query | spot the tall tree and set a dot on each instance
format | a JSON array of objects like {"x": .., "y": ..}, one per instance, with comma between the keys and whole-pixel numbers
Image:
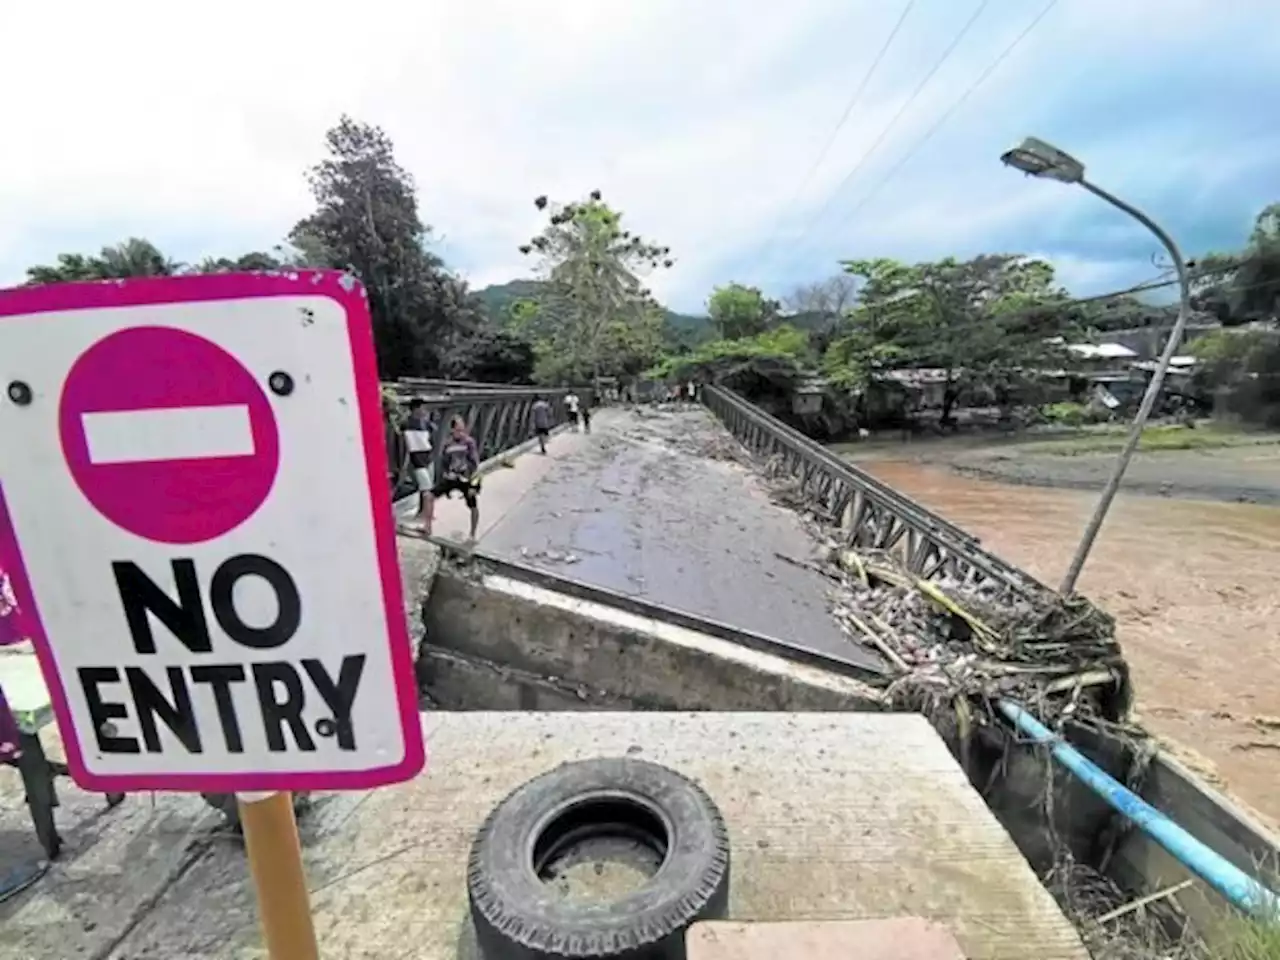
[
  {"x": 739, "y": 311},
  {"x": 367, "y": 221},
  {"x": 593, "y": 316},
  {"x": 132, "y": 258},
  {"x": 828, "y": 299},
  {"x": 492, "y": 355},
  {"x": 248, "y": 262},
  {"x": 982, "y": 322},
  {"x": 1245, "y": 285},
  {"x": 1254, "y": 292}
]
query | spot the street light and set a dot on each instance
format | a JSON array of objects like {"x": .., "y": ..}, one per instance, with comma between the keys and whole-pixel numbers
[{"x": 1039, "y": 159}]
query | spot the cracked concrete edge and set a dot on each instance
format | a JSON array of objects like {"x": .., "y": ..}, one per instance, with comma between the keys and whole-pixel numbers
[{"x": 419, "y": 563}]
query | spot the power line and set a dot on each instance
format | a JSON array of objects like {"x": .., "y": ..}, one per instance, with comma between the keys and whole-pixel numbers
[
  {"x": 946, "y": 55},
  {"x": 848, "y": 110},
  {"x": 995, "y": 65}
]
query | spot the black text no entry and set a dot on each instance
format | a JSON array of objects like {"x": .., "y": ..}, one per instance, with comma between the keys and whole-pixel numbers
[
  {"x": 210, "y": 611},
  {"x": 177, "y": 697}
]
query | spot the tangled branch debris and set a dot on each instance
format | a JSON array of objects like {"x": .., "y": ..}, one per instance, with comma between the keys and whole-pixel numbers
[
  {"x": 948, "y": 637},
  {"x": 1115, "y": 927},
  {"x": 954, "y": 643}
]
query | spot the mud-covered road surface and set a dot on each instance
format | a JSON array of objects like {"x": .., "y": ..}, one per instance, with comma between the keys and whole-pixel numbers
[
  {"x": 1191, "y": 584},
  {"x": 655, "y": 506}
]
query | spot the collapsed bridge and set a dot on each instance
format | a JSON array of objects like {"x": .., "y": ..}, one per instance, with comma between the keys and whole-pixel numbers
[
  {"x": 704, "y": 588},
  {"x": 660, "y": 522}
]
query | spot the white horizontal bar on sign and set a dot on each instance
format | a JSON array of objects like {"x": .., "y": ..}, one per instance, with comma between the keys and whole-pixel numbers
[{"x": 168, "y": 433}]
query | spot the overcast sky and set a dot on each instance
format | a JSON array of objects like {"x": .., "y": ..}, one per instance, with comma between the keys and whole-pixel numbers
[{"x": 192, "y": 125}]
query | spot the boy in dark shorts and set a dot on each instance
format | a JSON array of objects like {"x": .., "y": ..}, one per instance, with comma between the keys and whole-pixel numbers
[
  {"x": 460, "y": 459},
  {"x": 541, "y": 421}
]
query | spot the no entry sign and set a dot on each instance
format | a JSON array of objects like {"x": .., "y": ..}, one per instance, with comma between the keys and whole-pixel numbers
[{"x": 195, "y": 517}]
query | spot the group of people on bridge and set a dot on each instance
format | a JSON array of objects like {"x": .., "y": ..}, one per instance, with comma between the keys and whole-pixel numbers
[{"x": 459, "y": 460}]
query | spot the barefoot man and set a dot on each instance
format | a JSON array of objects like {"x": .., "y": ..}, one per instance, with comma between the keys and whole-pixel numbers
[
  {"x": 541, "y": 421},
  {"x": 460, "y": 459},
  {"x": 418, "y": 428}
]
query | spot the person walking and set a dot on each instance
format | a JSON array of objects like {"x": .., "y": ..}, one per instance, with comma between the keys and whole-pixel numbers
[
  {"x": 586, "y": 414},
  {"x": 460, "y": 463},
  {"x": 541, "y": 421},
  {"x": 572, "y": 406},
  {"x": 418, "y": 430}
]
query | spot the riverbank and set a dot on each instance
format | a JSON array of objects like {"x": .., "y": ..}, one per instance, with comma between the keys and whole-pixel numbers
[
  {"x": 1183, "y": 576},
  {"x": 1207, "y": 462}
]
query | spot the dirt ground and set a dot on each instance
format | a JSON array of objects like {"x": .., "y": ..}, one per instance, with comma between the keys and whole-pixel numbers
[
  {"x": 1189, "y": 580},
  {"x": 1210, "y": 462},
  {"x": 1242, "y": 474}
]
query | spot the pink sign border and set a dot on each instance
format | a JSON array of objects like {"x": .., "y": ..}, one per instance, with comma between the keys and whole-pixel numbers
[{"x": 350, "y": 296}]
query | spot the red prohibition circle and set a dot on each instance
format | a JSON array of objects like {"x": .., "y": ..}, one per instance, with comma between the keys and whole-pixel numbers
[{"x": 168, "y": 435}]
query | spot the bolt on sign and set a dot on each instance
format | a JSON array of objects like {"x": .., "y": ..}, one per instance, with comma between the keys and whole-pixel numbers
[{"x": 195, "y": 517}]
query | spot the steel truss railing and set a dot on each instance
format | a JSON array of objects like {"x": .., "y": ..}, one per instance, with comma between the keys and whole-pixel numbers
[{"x": 870, "y": 513}]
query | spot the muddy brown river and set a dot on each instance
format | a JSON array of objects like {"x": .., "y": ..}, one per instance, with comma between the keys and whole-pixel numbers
[{"x": 1192, "y": 587}]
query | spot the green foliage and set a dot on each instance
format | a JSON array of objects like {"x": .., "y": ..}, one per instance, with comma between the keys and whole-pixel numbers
[
  {"x": 245, "y": 263},
  {"x": 132, "y": 258},
  {"x": 1243, "y": 286},
  {"x": 739, "y": 311},
  {"x": 366, "y": 220},
  {"x": 1120, "y": 313},
  {"x": 491, "y": 355},
  {"x": 1248, "y": 938},
  {"x": 1156, "y": 438},
  {"x": 1223, "y": 354},
  {"x": 498, "y": 299},
  {"x": 682, "y": 332},
  {"x": 591, "y": 315},
  {"x": 1069, "y": 414},
  {"x": 1241, "y": 369},
  {"x": 985, "y": 322},
  {"x": 777, "y": 354}
]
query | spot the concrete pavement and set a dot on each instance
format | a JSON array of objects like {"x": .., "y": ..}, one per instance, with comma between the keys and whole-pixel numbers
[
  {"x": 638, "y": 507},
  {"x": 831, "y": 816}
]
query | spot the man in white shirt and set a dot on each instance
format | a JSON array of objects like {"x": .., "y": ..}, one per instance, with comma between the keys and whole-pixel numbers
[
  {"x": 418, "y": 431},
  {"x": 572, "y": 406}
]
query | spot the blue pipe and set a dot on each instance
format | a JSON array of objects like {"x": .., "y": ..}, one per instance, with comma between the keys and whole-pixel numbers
[{"x": 1234, "y": 884}]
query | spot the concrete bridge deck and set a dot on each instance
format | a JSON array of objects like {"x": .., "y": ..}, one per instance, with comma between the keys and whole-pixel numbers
[
  {"x": 650, "y": 506},
  {"x": 831, "y": 816}
]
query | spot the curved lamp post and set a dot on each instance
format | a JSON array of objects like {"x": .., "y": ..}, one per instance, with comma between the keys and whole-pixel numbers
[{"x": 1039, "y": 159}]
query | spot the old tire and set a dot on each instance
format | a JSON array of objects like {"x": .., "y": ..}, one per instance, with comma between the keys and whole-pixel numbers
[{"x": 516, "y": 915}]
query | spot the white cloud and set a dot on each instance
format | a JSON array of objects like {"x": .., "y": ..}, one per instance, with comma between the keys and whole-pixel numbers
[{"x": 193, "y": 125}]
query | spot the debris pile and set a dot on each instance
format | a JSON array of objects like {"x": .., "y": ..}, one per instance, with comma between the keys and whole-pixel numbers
[
  {"x": 948, "y": 638},
  {"x": 1114, "y": 926},
  {"x": 952, "y": 642},
  {"x": 694, "y": 434},
  {"x": 785, "y": 489}
]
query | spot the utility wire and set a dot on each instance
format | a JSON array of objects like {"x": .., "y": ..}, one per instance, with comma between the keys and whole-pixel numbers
[
  {"x": 954, "y": 107},
  {"x": 848, "y": 110},
  {"x": 946, "y": 55}
]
